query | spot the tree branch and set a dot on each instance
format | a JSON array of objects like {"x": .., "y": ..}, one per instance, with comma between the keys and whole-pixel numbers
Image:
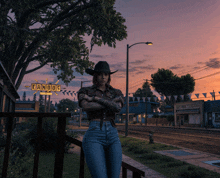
[
  {"x": 36, "y": 8},
  {"x": 36, "y": 68},
  {"x": 65, "y": 14},
  {"x": 21, "y": 76}
]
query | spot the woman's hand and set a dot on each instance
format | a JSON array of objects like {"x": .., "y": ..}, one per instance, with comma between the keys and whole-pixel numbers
[
  {"x": 88, "y": 98},
  {"x": 117, "y": 99}
]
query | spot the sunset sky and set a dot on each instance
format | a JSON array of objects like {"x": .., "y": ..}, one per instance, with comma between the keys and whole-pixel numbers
[{"x": 185, "y": 36}]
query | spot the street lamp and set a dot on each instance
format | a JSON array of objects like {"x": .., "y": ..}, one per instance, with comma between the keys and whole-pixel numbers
[{"x": 127, "y": 99}]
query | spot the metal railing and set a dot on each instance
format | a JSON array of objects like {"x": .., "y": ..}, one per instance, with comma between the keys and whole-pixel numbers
[{"x": 62, "y": 137}]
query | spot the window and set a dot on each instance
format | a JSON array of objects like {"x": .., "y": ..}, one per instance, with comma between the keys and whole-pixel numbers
[{"x": 217, "y": 117}]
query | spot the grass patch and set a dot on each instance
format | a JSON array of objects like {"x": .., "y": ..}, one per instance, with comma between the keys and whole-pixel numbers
[
  {"x": 46, "y": 166},
  {"x": 70, "y": 167},
  {"x": 143, "y": 152}
]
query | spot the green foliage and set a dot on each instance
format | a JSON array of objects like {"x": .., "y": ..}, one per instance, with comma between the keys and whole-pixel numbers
[
  {"x": 2, "y": 140},
  {"x": 168, "y": 84},
  {"x": 170, "y": 118},
  {"x": 66, "y": 103},
  {"x": 162, "y": 116},
  {"x": 143, "y": 152},
  {"x": 52, "y": 32},
  {"x": 155, "y": 116},
  {"x": 145, "y": 91},
  {"x": 49, "y": 139},
  {"x": 21, "y": 155},
  {"x": 192, "y": 172}
]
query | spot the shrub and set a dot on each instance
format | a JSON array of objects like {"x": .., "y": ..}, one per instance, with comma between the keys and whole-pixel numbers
[
  {"x": 21, "y": 155},
  {"x": 2, "y": 141},
  {"x": 50, "y": 136},
  {"x": 172, "y": 164},
  {"x": 155, "y": 116},
  {"x": 151, "y": 156},
  {"x": 170, "y": 118},
  {"x": 192, "y": 172}
]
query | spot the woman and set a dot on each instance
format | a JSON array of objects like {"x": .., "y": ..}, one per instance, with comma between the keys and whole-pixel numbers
[{"x": 101, "y": 144}]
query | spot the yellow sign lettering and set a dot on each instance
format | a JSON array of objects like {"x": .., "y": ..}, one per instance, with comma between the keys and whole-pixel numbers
[
  {"x": 45, "y": 87},
  {"x": 33, "y": 86},
  {"x": 38, "y": 86},
  {"x": 54, "y": 88},
  {"x": 58, "y": 87}
]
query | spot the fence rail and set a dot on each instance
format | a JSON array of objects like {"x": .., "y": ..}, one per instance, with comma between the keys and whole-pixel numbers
[{"x": 62, "y": 137}]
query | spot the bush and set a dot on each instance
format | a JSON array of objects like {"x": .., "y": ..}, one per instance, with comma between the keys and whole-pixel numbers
[
  {"x": 170, "y": 118},
  {"x": 21, "y": 156},
  {"x": 50, "y": 136},
  {"x": 151, "y": 156},
  {"x": 155, "y": 116},
  {"x": 192, "y": 172},
  {"x": 2, "y": 141}
]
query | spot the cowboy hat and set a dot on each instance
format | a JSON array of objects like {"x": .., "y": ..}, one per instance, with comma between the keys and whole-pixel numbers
[{"x": 101, "y": 66}]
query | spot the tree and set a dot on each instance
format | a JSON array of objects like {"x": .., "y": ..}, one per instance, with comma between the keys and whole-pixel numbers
[
  {"x": 51, "y": 32},
  {"x": 24, "y": 96},
  {"x": 41, "y": 100},
  {"x": 66, "y": 103},
  {"x": 168, "y": 84},
  {"x": 145, "y": 91},
  {"x": 34, "y": 97}
]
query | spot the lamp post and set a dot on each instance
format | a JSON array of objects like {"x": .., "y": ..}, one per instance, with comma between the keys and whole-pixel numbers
[{"x": 127, "y": 98}]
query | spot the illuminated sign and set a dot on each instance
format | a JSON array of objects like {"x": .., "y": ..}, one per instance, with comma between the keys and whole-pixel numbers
[{"x": 45, "y": 87}]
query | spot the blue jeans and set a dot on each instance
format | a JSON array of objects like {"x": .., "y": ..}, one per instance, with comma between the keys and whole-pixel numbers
[{"x": 102, "y": 149}]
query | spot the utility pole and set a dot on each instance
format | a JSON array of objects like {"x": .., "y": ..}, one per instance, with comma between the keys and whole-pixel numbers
[
  {"x": 80, "y": 117},
  {"x": 49, "y": 105},
  {"x": 45, "y": 104},
  {"x": 214, "y": 95}
]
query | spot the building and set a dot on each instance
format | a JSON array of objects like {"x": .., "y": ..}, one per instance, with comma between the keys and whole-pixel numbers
[
  {"x": 8, "y": 96},
  {"x": 189, "y": 113},
  {"x": 212, "y": 113},
  {"x": 26, "y": 106},
  {"x": 197, "y": 113},
  {"x": 137, "y": 111}
]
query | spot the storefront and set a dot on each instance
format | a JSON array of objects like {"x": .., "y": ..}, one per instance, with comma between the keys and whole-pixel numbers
[
  {"x": 212, "y": 113},
  {"x": 138, "y": 111},
  {"x": 189, "y": 113}
]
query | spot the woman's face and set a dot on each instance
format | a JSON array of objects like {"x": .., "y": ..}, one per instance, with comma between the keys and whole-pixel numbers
[{"x": 102, "y": 78}]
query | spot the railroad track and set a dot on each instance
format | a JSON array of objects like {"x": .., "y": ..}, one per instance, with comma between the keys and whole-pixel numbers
[{"x": 203, "y": 140}]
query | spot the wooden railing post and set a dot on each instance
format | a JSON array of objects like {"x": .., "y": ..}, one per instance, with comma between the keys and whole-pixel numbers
[
  {"x": 136, "y": 175},
  {"x": 59, "y": 157},
  {"x": 82, "y": 163},
  {"x": 124, "y": 172},
  {"x": 7, "y": 147},
  {"x": 38, "y": 148}
]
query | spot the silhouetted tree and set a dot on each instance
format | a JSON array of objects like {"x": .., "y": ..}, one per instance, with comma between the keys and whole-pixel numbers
[
  {"x": 24, "y": 96},
  {"x": 52, "y": 32},
  {"x": 168, "y": 84}
]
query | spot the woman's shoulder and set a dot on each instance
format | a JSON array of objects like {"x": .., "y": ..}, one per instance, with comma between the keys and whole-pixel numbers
[
  {"x": 117, "y": 91},
  {"x": 85, "y": 89}
]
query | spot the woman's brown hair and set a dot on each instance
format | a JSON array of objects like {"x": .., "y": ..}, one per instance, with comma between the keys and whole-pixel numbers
[{"x": 95, "y": 81}]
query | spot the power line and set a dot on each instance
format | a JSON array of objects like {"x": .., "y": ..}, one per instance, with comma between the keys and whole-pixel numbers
[
  {"x": 203, "y": 68},
  {"x": 207, "y": 76}
]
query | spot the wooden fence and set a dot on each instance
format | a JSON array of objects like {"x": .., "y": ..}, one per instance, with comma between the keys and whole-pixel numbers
[{"x": 62, "y": 137}]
